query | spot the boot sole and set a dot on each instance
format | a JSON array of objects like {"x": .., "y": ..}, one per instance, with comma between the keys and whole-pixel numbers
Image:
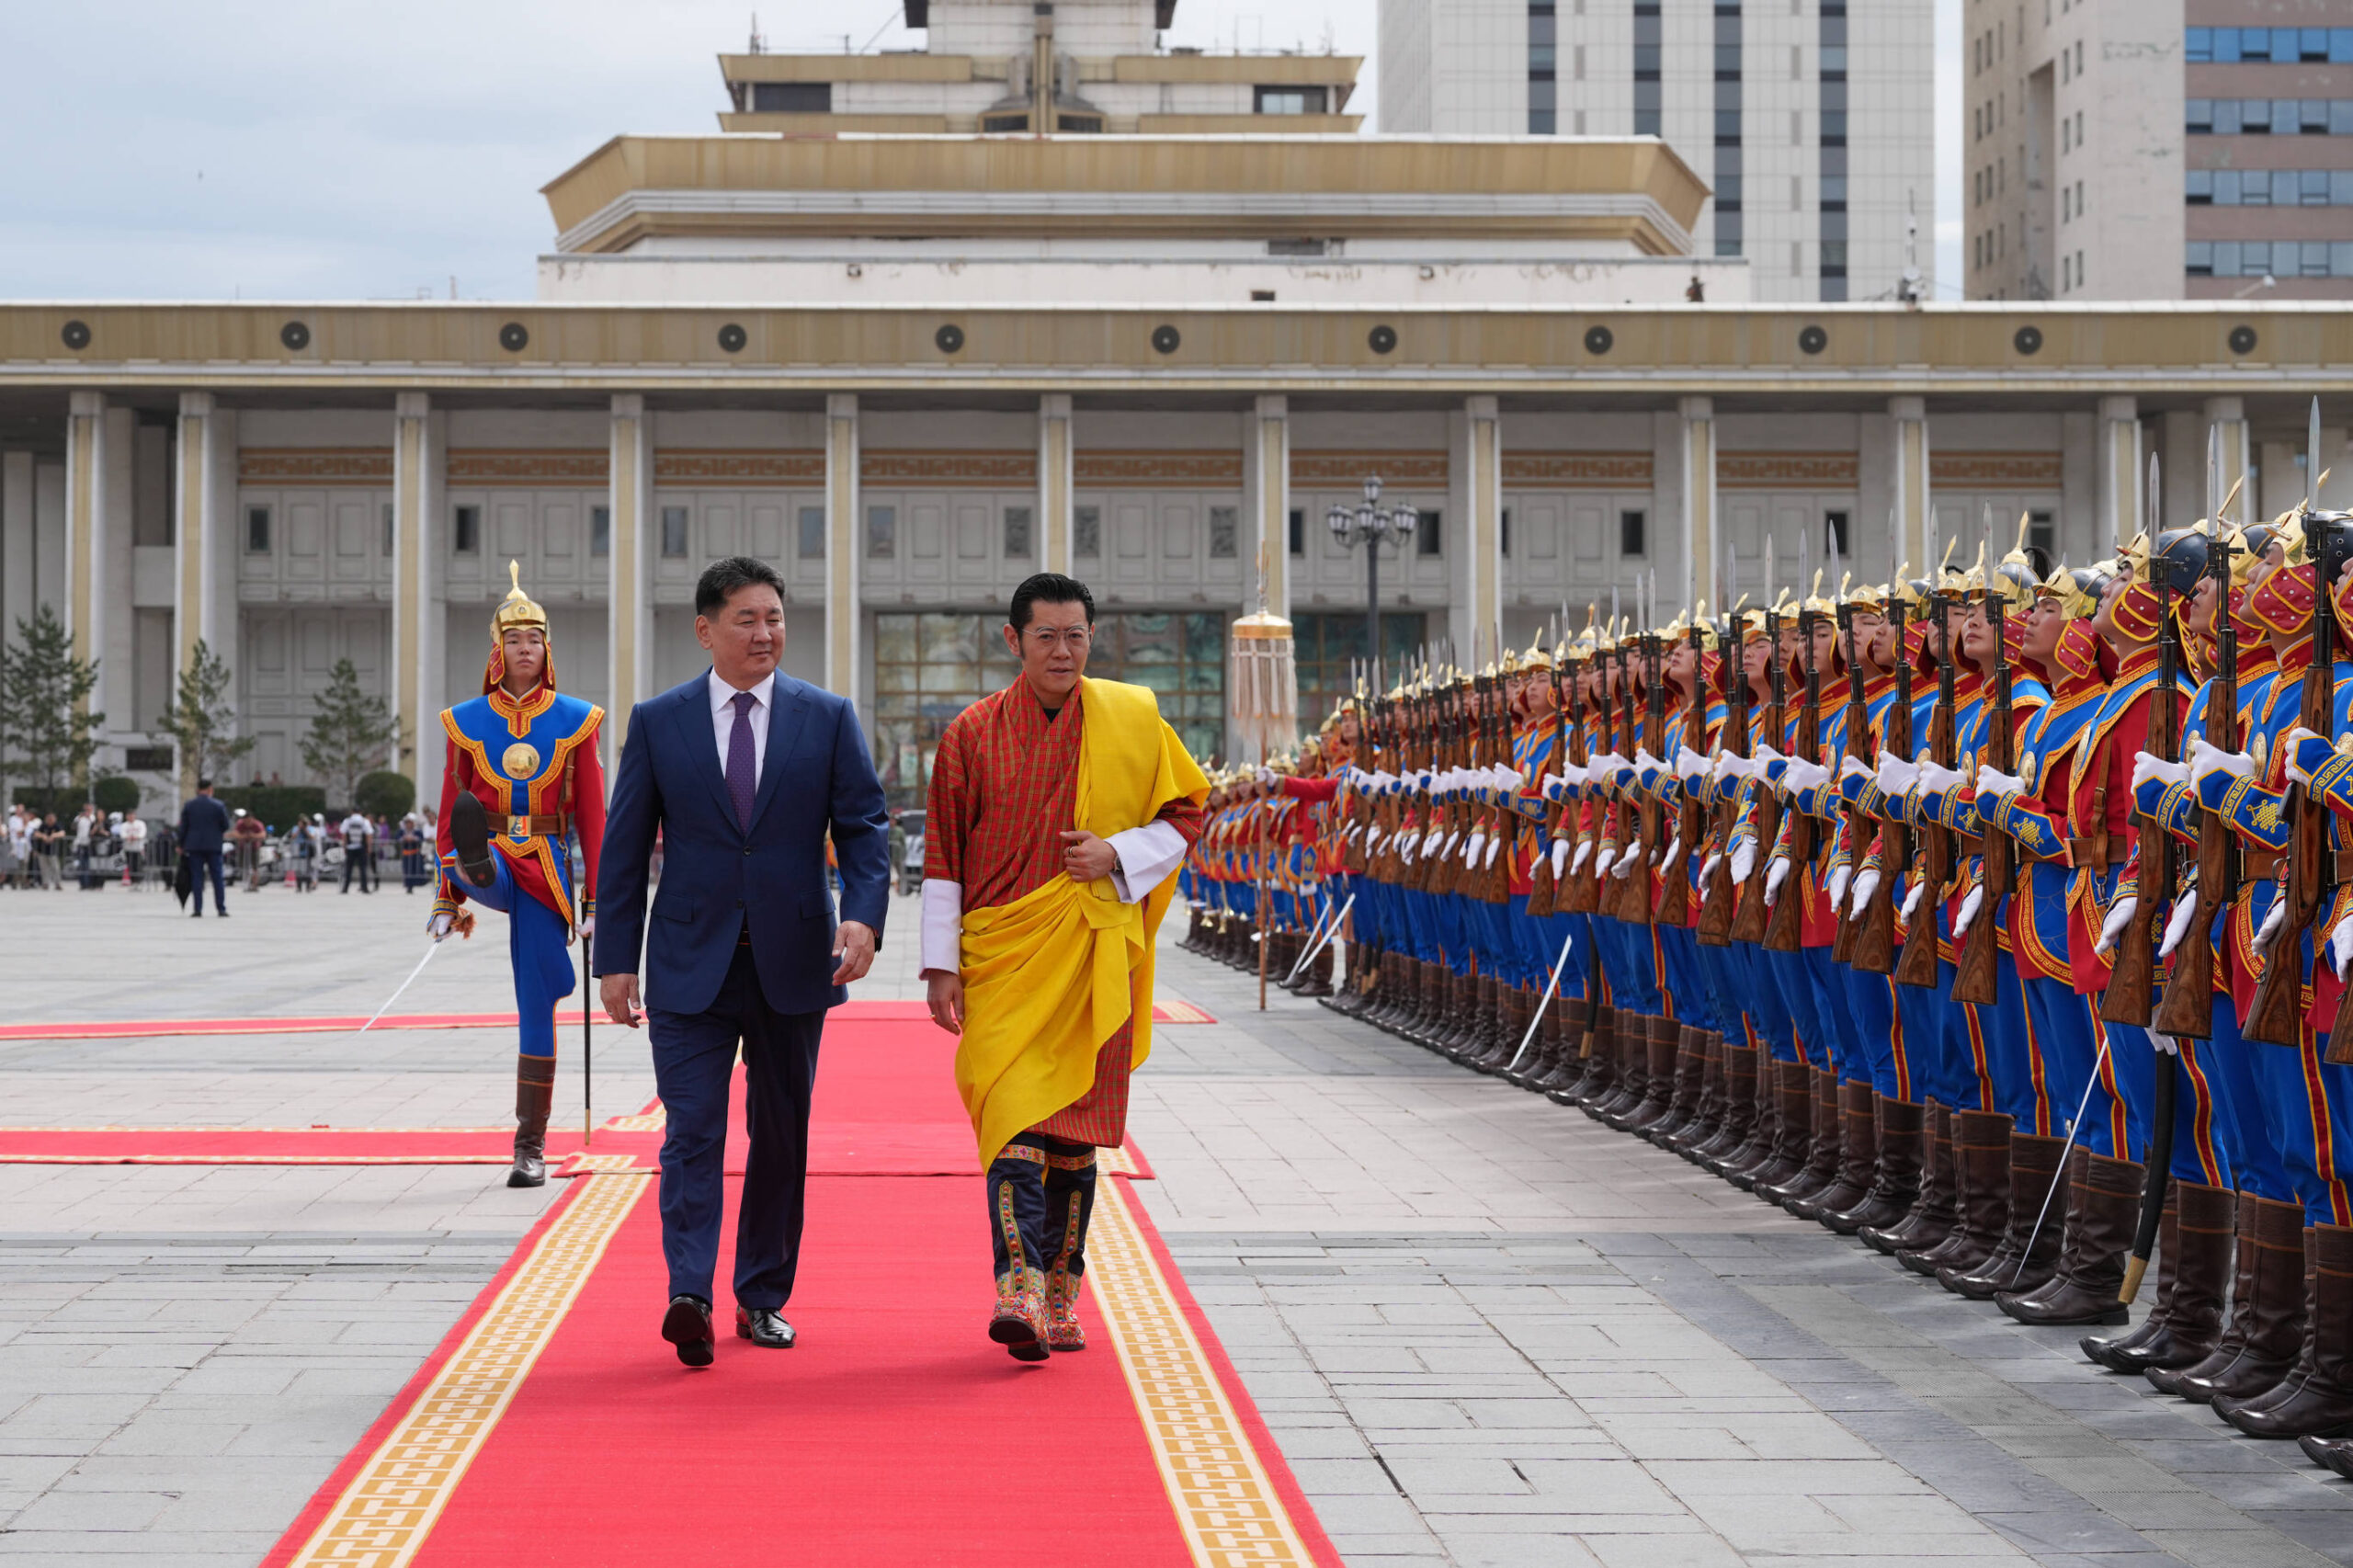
[{"x": 1018, "y": 1338}]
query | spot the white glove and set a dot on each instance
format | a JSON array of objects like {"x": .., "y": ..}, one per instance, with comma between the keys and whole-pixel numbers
[
  {"x": 1689, "y": 764},
  {"x": 1470, "y": 850},
  {"x": 1941, "y": 780},
  {"x": 1560, "y": 857},
  {"x": 1585, "y": 851},
  {"x": 1509, "y": 778},
  {"x": 439, "y": 926},
  {"x": 1855, "y": 766},
  {"x": 1707, "y": 867},
  {"x": 588, "y": 928},
  {"x": 1866, "y": 884},
  {"x": 2271, "y": 924},
  {"x": 1265, "y": 775},
  {"x": 1601, "y": 861},
  {"x": 1896, "y": 777},
  {"x": 1992, "y": 780},
  {"x": 1644, "y": 760},
  {"x": 1912, "y": 900},
  {"x": 1777, "y": 871},
  {"x": 1623, "y": 866},
  {"x": 1839, "y": 877},
  {"x": 1495, "y": 845},
  {"x": 2206, "y": 759},
  {"x": 2340, "y": 944},
  {"x": 2178, "y": 923},
  {"x": 1803, "y": 776},
  {"x": 2146, "y": 766},
  {"x": 1765, "y": 754},
  {"x": 2289, "y": 744},
  {"x": 1743, "y": 860},
  {"x": 1969, "y": 905},
  {"x": 1731, "y": 766},
  {"x": 1673, "y": 853},
  {"x": 1575, "y": 776},
  {"x": 2120, "y": 915}
]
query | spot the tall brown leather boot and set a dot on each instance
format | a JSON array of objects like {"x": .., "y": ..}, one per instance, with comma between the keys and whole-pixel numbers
[
  {"x": 2029, "y": 1251},
  {"x": 1629, "y": 1049},
  {"x": 1600, "y": 1080},
  {"x": 1739, "y": 1113},
  {"x": 1317, "y": 977},
  {"x": 1857, "y": 1159},
  {"x": 534, "y": 1097},
  {"x": 1659, "y": 1037},
  {"x": 1562, "y": 1065},
  {"x": 2103, "y": 1210},
  {"x": 2266, "y": 1327},
  {"x": 1895, "y": 1175},
  {"x": 2193, "y": 1267},
  {"x": 1981, "y": 1167},
  {"x": 2330, "y": 1453},
  {"x": 1683, "y": 1090},
  {"x": 1693, "y": 1121},
  {"x": 1820, "y": 1165},
  {"x": 1511, "y": 1029},
  {"x": 2316, "y": 1400},
  {"x": 1792, "y": 1131},
  {"x": 1935, "y": 1212},
  {"x": 1764, "y": 1124}
]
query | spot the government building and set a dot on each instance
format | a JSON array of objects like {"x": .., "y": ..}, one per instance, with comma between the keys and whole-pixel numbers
[{"x": 1047, "y": 295}]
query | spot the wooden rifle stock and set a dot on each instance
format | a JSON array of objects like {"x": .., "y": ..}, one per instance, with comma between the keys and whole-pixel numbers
[
  {"x": 1974, "y": 976},
  {"x": 1874, "y": 950},
  {"x": 1718, "y": 899},
  {"x": 1749, "y": 924},
  {"x": 1785, "y": 925},
  {"x": 2276, "y": 1015},
  {"x": 2186, "y": 1007},
  {"x": 1674, "y": 883},
  {"x": 1544, "y": 888},
  {"x": 1584, "y": 890},
  {"x": 1858, "y": 732},
  {"x": 1917, "y": 965}
]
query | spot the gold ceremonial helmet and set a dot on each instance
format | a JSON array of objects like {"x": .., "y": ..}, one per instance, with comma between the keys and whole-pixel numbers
[
  {"x": 1538, "y": 657},
  {"x": 2013, "y": 576},
  {"x": 517, "y": 608}
]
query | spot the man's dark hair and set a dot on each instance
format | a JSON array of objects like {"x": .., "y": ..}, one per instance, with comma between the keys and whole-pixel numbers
[
  {"x": 1049, "y": 588},
  {"x": 202, "y": 785},
  {"x": 721, "y": 579}
]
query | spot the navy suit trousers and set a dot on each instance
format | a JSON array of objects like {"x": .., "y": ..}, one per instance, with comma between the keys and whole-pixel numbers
[{"x": 694, "y": 1067}]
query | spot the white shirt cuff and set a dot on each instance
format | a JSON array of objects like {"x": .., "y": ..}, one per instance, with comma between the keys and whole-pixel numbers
[
  {"x": 943, "y": 925},
  {"x": 1147, "y": 855}
]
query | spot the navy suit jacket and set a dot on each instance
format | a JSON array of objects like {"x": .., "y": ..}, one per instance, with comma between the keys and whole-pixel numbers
[
  {"x": 204, "y": 824},
  {"x": 719, "y": 879}
]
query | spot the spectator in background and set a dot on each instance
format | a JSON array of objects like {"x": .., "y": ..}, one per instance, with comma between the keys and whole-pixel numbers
[
  {"x": 250, "y": 832},
  {"x": 204, "y": 829},
  {"x": 359, "y": 851},
  {"x": 412, "y": 842},
  {"x": 85, "y": 825},
  {"x": 20, "y": 847},
  {"x": 133, "y": 834}
]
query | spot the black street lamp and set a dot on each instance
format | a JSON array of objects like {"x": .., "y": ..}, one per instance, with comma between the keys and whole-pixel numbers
[{"x": 1367, "y": 524}]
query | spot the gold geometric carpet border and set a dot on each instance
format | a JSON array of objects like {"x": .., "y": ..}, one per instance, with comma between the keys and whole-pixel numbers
[
  {"x": 391, "y": 1506},
  {"x": 1227, "y": 1506}
]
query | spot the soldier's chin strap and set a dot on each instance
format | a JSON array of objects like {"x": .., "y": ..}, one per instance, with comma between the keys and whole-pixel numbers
[{"x": 404, "y": 984}]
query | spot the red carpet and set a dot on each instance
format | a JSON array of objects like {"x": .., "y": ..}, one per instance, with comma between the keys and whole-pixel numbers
[
  {"x": 554, "y": 1426},
  {"x": 1167, "y": 1012}
]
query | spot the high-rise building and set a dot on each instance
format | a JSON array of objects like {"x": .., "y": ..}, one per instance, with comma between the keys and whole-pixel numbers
[
  {"x": 1812, "y": 121},
  {"x": 2143, "y": 149}
]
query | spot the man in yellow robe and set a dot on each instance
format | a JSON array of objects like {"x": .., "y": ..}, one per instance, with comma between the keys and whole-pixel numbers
[{"x": 1059, "y": 811}]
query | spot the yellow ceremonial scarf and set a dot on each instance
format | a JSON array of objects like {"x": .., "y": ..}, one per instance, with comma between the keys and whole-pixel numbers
[{"x": 1052, "y": 975}]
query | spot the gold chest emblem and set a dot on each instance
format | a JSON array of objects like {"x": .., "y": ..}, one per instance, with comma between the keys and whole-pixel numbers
[{"x": 521, "y": 762}]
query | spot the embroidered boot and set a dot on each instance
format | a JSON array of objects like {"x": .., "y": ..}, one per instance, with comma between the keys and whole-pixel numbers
[
  {"x": 1070, "y": 1205},
  {"x": 1017, "y": 1214}
]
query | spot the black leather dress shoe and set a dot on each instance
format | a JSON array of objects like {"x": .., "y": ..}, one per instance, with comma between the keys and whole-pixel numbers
[
  {"x": 765, "y": 1327},
  {"x": 687, "y": 1326}
]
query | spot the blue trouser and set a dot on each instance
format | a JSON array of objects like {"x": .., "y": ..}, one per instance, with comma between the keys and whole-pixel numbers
[
  {"x": 1041, "y": 1194},
  {"x": 694, "y": 1064},
  {"x": 2066, "y": 1032},
  {"x": 1787, "y": 974},
  {"x": 2010, "y": 1073},
  {"x": 1867, "y": 1004},
  {"x": 1939, "y": 1050},
  {"x": 1768, "y": 1024},
  {"x": 1634, "y": 976},
  {"x": 2199, "y": 1154},
  {"x": 1690, "y": 1000},
  {"x": 203, "y": 863},
  {"x": 1909, "y": 1073},
  {"x": 537, "y": 949}
]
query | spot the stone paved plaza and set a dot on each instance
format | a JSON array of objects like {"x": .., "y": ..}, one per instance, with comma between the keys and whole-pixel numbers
[{"x": 1484, "y": 1330}]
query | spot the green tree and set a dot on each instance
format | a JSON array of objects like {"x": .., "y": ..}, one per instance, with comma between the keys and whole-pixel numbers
[
  {"x": 350, "y": 733},
  {"x": 49, "y": 733},
  {"x": 201, "y": 725}
]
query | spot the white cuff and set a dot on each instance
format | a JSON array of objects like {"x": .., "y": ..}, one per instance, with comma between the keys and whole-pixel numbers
[
  {"x": 943, "y": 925},
  {"x": 1147, "y": 855}
]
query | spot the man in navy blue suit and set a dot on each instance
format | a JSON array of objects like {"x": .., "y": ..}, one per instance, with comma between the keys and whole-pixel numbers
[{"x": 745, "y": 772}]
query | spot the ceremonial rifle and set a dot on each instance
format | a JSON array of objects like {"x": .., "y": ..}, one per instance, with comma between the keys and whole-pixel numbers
[
  {"x": 1974, "y": 979},
  {"x": 1856, "y": 734},
  {"x": 1785, "y": 925},
  {"x": 1874, "y": 949},
  {"x": 1749, "y": 924},
  {"x": 2132, "y": 984},
  {"x": 1584, "y": 887},
  {"x": 1631, "y": 816},
  {"x": 1654, "y": 742},
  {"x": 2186, "y": 1008},
  {"x": 1544, "y": 891},
  {"x": 2276, "y": 1016},
  {"x": 1718, "y": 899},
  {"x": 1917, "y": 966},
  {"x": 1691, "y": 822}
]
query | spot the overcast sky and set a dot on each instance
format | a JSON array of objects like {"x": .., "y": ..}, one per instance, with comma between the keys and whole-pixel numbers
[{"x": 327, "y": 149}]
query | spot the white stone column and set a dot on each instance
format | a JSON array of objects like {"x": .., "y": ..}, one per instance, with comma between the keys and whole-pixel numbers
[
  {"x": 86, "y": 479},
  {"x": 846, "y": 549},
  {"x": 416, "y": 498},
  {"x": 1914, "y": 518},
  {"x": 19, "y": 572},
  {"x": 1055, "y": 476},
  {"x": 1481, "y": 463},
  {"x": 1268, "y": 477},
  {"x": 195, "y": 548},
  {"x": 2121, "y": 475},
  {"x": 1697, "y": 469},
  {"x": 628, "y": 628},
  {"x": 2228, "y": 415}
]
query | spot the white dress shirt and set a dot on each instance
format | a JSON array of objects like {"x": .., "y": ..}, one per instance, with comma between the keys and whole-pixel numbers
[
  {"x": 1146, "y": 856},
  {"x": 723, "y": 721}
]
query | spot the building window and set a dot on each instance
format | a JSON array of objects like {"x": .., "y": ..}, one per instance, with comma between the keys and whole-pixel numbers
[
  {"x": 2042, "y": 538},
  {"x": 465, "y": 530},
  {"x": 1834, "y": 536},
  {"x": 1295, "y": 248},
  {"x": 1647, "y": 44},
  {"x": 1428, "y": 531},
  {"x": 792, "y": 97},
  {"x": 1017, "y": 533},
  {"x": 1502, "y": 534},
  {"x": 1294, "y": 532},
  {"x": 882, "y": 533},
  {"x": 810, "y": 521},
  {"x": 1225, "y": 533},
  {"x": 1328, "y": 648},
  {"x": 1087, "y": 532},
  {"x": 1002, "y": 122},
  {"x": 257, "y": 531},
  {"x": 1289, "y": 100},
  {"x": 600, "y": 530},
  {"x": 1728, "y": 103},
  {"x": 391, "y": 532},
  {"x": 674, "y": 533},
  {"x": 1633, "y": 532}
]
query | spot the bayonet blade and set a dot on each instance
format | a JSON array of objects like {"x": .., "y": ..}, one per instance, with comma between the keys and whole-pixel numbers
[{"x": 2311, "y": 459}]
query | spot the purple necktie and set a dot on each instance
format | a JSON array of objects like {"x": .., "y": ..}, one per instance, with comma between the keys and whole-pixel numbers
[{"x": 743, "y": 771}]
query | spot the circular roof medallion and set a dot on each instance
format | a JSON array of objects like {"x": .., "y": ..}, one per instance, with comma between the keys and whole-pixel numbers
[
  {"x": 1166, "y": 338},
  {"x": 2027, "y": 340},
  {"x": 1600, "y": 340},
  {"x": 1381, "y": 339},
  {"x": 1813, "y": 339},
  {"x": 76, "y": 334},
  {"x": 949, "y": 339},
  {"x": 295, "y": 336},
  {"x": 2243, "y": 339},
  {"x": 731, "y": 338},
  {"x": 514, "y": 337}
]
